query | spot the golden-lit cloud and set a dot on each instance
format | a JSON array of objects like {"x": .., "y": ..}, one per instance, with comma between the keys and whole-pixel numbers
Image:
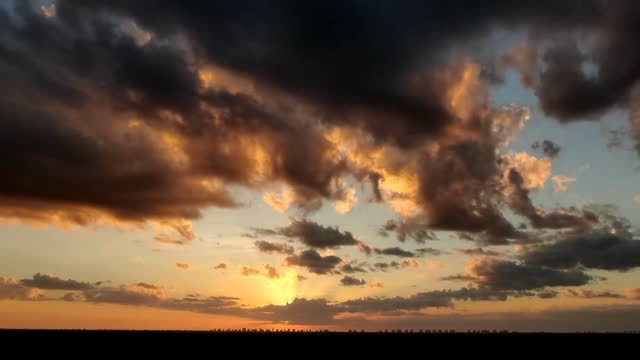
[
  {"x": 535, "y": 171},
  {"x": 559, "y": 182},
  {"x": 280, "y": 201}
]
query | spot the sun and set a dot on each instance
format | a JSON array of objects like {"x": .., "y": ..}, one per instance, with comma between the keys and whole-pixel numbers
[{"x": 284, "y": 289}]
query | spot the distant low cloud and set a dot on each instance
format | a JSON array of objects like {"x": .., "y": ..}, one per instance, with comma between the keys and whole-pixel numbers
[
  {"x": 51, "y": 282},
  {"x": 10, "y": 289},
  {"x": 69, "y": 297},
  {"x": 221, "y": 266},
  {"x": 592, "y": 294},
  {"x": 509, "y": 275},
  {"x": 593, "y": 250},
  {"x": 298, "y": 312}
]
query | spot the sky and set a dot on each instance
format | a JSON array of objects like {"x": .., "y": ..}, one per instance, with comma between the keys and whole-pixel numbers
[{"x": 319, "y": 164}]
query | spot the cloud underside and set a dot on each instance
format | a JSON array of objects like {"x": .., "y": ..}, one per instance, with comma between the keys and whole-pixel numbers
[{"x": 120, "y": 114}]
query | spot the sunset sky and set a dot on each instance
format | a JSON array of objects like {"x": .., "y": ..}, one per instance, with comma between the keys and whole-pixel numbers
[{"x": 320, "y": 164}]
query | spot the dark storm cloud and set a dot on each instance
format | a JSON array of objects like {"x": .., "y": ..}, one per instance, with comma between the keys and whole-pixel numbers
[
  {"x": 453, "y": 182},
  {"x": 351, "y": 281},
  {"x": 269, "y": 247},
  {"x": 394, "y": 251},
  {"x": 457, "y": 190},
  {"x": 50, "y": 282},
  {"x": 75, "y": 128},
  {"x": 77, "y": 79},
  {"x": 314, "y": 262},
  {"x": 363, "y": 51},
  {"x": 509, "y": 275},
  {"x": 592, "y": 250},
  {"x": 548, "y": 147}
]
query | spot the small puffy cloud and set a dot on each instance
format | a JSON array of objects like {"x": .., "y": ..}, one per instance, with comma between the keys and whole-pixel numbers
[
  {"x": 168, "y": 239},
  {"x": 559, "y": 182},
  {"x": 351, "y": 281},
  {"x": 548, "y": 148},
  {"x": 314, "y": 262},
  {"x": 412, "y": 228},
  {"x": 308, "y": 233},
  {"x": 271, "y": 272},
  {"x": 221, "y": 266},
  {"x": 183, "y": 266},
  {"x": 248, "y": 271},
  {"x": 270, "y": 247},
  {"x": 394, "y": 251},
  {"x": 350, "y": 269}
]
